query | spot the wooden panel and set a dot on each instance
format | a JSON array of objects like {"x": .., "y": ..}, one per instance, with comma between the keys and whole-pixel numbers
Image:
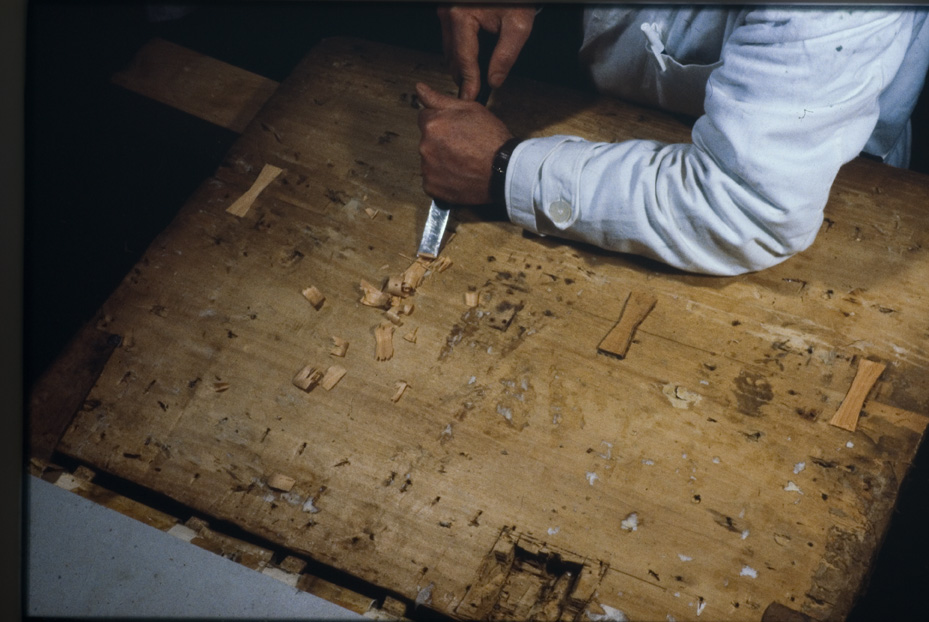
[
  {"x": 521, "y": 474},
  {"x": 200, "y": 85}
]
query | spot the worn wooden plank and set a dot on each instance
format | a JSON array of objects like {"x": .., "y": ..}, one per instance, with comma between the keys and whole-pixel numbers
[
  {"x": 521, "y": 473},
  {"x": 200, "y": 85},
  {"x": 61, "y": 390}
]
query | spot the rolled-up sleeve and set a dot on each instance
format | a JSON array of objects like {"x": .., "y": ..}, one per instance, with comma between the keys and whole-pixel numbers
[{"x": 795, "y": 98}]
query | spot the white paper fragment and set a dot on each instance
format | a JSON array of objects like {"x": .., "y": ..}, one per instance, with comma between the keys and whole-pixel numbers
[
  {"x": 748, "y": 571},
  {"x": 553, "y": 530},
  {"x": 745, "y": 534},
  {"x": 684, "y": 558},
  {"x": 424, "y": 597},
  {"x": 799, "y": 467},
  {"x": 631, "y": 522},
  {"x": 610, "y": 614},
  {"x": 792, "y": 487},
  {"x": 592, "y": 477},
  {"x": 849, "y": 444}
]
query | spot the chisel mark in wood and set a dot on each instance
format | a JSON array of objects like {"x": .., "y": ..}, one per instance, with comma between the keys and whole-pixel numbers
[
  {"x": 638, "y": 305},
  {"x": 241, "y": 205},
  {"x": 846, "y": 417}
]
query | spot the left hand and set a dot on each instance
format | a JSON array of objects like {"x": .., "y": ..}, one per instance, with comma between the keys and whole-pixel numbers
[{"x": 458, "y": 144}]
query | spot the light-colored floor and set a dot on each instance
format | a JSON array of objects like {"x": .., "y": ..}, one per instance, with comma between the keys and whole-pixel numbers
[{"x": 85, "y": 560}]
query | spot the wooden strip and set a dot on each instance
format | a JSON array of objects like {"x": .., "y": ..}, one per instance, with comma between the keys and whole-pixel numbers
[
  {"x": 199, "y": 85},
  {"x": 638, "y": 306},
  {"x": 846, "y": 416},
  {"x": 241, "y": 205}
]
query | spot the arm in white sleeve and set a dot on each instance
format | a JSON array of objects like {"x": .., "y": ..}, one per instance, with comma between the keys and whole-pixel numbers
[{"x": 795, "y": 98}]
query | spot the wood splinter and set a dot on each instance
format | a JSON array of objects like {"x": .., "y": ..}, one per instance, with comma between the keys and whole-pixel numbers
[
  {"x": 384, "y": 346},
  {"x": 241, "y": 205},
  {"x": 638, "y": 305},
  {"x": 846, "y": 417},
  {"x": 314, "y": 296}
]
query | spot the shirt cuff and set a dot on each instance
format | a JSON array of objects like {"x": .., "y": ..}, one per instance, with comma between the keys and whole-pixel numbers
[{"x": 543, "y": 191}]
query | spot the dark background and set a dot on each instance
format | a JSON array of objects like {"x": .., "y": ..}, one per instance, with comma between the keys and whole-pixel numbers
[{"x": 106, "y": 171}]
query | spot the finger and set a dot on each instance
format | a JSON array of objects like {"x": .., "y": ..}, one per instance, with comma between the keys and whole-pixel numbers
[
  {"x": 514, "y": 32},
  {"x": 430, "y": 98},
  {"x": 465, "y": 50}
]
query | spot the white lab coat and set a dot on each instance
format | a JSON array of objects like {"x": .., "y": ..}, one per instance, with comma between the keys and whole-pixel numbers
[{"x": 784, "y": 96}]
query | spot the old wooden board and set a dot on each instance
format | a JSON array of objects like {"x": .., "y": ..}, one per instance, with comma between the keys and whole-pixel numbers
[{"x": 521, "y": 474}]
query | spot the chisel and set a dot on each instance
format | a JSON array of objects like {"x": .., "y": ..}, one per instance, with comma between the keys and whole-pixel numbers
[{"x": 437, "y": 220}]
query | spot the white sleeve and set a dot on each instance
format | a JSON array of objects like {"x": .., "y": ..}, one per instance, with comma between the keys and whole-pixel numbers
[{"x": 795, "y": 98}]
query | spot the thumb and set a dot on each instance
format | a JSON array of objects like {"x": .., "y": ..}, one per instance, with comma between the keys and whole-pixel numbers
[{"x": 431, "y": 98}]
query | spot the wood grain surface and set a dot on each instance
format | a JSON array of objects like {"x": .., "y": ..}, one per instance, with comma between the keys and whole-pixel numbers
[{"x": 522, "y": 475}]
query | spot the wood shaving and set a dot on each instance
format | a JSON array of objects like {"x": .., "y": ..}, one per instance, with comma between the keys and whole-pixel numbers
[
  {"x": 307, "y": 378},
  {"x": 401, "y": 387},
  {"x": 411, "y": 336},
  {"x": 371, "y": 212},
  {"x": 339, "y": 346},
  {"x": 384, "y": 345},
  {"x": 373, "y": 297},
  {"x": 281, "y": 482},
  {"x": 332, "y": 377},
  {"x": 314, "y": 296},
  {"x": 471, "y": 298}
]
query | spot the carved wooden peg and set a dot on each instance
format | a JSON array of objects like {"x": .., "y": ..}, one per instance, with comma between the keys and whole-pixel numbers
[
  {"x": 638, "y": 306},
  {"x": 846, "y": 416}
]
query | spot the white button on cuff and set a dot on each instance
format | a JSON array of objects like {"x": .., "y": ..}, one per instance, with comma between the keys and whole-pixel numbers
[{"x": 560, "y": 212}]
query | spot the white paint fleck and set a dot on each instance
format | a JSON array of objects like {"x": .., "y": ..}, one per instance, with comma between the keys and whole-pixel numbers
[
  {"x": 849, "y": 444},
  {"x": 631, "y": 522},
  {"x": 679, "y": 396},
  {"x": 592, "y": 477},
  {"x": 609, "y": 450},
  {"x": 716, "y": 460},
  {"x": 505, "y": 412},
  {"x": 677, "y": 594},
  {"x": 424, "y": 597},
  {"x": 792, "y": 487},
  {"x": 553, "y": 530},
  {"x": 744, "y": 534},
  {"x": 610, "y": 614},
  {"x": 684, "y": 558},
  {"x": 490, "y": 350},
  {"x": 648, "y": 462},
  {"x": 310, "y": 507},
  {"x": 447, "y": 431},
  {"x": 700, "y": 606},
  {"x": 472, "y": 379},
  {"x": 671, "y": 618},
  {"x": 799, "y": 467},
  {"x": 684, "y": 456},
  {"x": 748, "y": 571}
]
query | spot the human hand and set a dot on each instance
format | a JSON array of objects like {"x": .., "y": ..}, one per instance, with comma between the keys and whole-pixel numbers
[
  {"x": 457, "y": 148},
  {"x": 460, "y": 27}
]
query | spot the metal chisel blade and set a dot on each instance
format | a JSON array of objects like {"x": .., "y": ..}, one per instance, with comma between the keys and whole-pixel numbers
[{"x": 434, "y": 230}]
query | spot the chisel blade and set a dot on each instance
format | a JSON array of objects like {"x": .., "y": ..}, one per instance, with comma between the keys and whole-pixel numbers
[{"x": 434, "y": 231}]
